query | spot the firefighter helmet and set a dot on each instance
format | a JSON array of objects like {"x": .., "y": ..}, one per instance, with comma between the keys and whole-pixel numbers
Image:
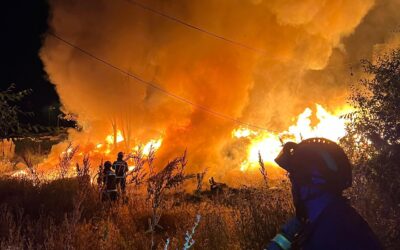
[
  {"x": 120, "y": 155},
  {"x": 317, "y": 161},
  {"x": 107, "y": 165}
]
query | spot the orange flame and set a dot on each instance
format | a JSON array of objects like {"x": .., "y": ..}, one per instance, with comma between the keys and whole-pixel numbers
[
  {"x": 155, "y": 144},
  {"x": 107, "y": 146},
  {"x": 269, "y": 144},
  {"x": 110, "y": 138}
]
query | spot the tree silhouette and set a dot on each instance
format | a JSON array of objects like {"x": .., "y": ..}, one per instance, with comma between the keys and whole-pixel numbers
[
  {"x": 373, "y": 144},
  {"x": 10, "y": 125}
]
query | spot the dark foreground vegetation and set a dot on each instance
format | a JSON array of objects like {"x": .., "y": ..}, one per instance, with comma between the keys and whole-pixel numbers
[
  {"x": 67, "y": 213},
  {"x": 373, "y": 145},
  {"x": 56, "y": 215}
]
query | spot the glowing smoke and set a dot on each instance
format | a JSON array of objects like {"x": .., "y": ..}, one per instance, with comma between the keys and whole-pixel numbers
[{"x": 298, "y": 39}]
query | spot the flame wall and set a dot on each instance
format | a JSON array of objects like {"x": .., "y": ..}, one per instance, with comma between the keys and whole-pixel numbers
[{"x": 305, "y": 47}]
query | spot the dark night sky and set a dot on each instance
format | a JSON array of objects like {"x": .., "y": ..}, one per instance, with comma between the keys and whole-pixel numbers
[{"x": 24, "y": 24}]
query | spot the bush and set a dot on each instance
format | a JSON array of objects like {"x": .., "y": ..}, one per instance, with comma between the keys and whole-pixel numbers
[{"x": 373, "y": 144}]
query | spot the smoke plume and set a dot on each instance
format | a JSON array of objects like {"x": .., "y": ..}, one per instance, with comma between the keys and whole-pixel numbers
[{"x": 301, "y": 54}]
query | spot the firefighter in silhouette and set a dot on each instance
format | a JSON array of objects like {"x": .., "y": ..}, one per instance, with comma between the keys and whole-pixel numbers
[
  {"x": 110, "y": 192},
  {"x": 319, "y": 171},
  {"x": 121, "y": 168}
]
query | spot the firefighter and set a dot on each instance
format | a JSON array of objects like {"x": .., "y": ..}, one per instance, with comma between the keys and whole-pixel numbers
[
  {"x": 110, "y": 192},
  {"x": 121, "y": 168},
  {"x": 319, "y": 171}
]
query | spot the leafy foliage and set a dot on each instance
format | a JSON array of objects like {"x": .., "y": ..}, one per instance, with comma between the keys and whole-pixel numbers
[
  {"x": 10, "y": 112},
  {"x": 379, "y": 101},
  {"x": 373, "y": 144}
]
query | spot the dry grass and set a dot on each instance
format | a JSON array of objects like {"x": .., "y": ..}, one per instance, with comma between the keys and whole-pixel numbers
[
  {"x": 56, "y": 215},
  {"x": 137, "y": 175},
  {"x": 7, "y": 166},
  {"x": 67, "y": 213},
  {"x": 171, "y": 176},
  {"x": 32, "y": 168},
  {"x": 262, "y": 169},
  {"x": 65, "y": 160},
  {"x": 63, "y": 214}
]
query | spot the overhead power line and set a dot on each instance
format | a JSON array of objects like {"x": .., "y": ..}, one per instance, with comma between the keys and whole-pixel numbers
[
  {"x": 215, "y": 35},
  {"x": 156, "y": 86},
  {"x": 191, "y": 26}
]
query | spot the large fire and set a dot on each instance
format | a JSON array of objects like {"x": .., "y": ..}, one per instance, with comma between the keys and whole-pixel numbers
[
  {"x": 119, "y": 138},
  {"x": 183, "y": 77},
  {"x": 107, "y": 149},
  {"x": 109, "y": 145},
  {"x": 316, "y": 122},
  {"x": 268, "y": 144},
  {"x": 312, "y": 122}
]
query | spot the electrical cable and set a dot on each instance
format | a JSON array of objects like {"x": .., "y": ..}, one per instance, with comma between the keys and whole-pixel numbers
[
  {"x": 210, "y": 33},
  {"x": 202, "y": 30},
  {"x": 156, "y": 86}
]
